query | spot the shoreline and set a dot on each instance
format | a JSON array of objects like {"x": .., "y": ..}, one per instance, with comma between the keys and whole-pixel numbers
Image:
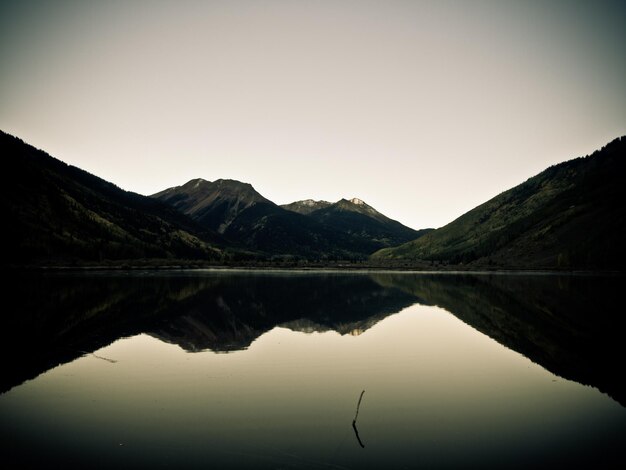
[{"x": 310, "y": 267}]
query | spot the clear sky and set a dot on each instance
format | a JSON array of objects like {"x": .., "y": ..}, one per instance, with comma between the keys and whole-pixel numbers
[{"x": 424, "y": 109}]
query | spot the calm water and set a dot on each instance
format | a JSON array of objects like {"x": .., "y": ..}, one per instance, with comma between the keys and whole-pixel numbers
[{"x": 265, "y": 370}]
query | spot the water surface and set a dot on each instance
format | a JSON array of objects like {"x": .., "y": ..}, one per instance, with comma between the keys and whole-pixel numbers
[{"x": 264, "y": 370}]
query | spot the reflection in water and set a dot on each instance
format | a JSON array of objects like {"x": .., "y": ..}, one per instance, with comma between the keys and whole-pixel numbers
[
  {"x": 60, "y": 318},
  {"x": 564, "y": 323},
  {"x": 442, "y": 394}
]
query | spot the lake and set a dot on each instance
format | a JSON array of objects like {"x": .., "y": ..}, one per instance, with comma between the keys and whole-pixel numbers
[{"x": 288, "y": 369}]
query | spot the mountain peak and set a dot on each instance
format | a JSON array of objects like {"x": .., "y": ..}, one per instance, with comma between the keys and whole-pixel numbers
[
  {"x": 195, "y": 183},
  {"x": 311, "y": 202},
  {"x": 356, "y": 205},
  {"x": 214, "y": 204},
  {"x": 305, "y": 206},
  {"x": 231, "y": 182}
]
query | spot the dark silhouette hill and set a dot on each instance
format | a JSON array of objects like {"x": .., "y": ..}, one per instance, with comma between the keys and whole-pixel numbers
[
  {"x": 572, "y": 215},
  {"x": 56, "y": 213}
]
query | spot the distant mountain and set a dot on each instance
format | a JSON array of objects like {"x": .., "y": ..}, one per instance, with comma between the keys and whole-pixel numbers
[
  {"x": 313, "y": 229},
  {"x": 241, "y": 214},
  {"x": 572, "y": 215},
  {"x": 273, "y": 230},
  {"x": 357, "y": 218},
  {"x": 213, "y": 204},
  {"x": 305, "y": 207},
  {"x": 55, "y": 213}
]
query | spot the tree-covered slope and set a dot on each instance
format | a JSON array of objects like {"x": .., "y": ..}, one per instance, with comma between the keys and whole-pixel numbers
[
  {"x": 55, "y": 213},
  {"x": 571, "y": 215}
]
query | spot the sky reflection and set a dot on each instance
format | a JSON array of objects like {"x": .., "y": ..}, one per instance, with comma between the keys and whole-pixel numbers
[{"x": 438, "y": 393}]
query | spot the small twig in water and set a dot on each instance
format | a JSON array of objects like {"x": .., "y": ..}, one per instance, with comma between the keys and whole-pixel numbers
[
  {"x": 358, "y": 405},
  {"x": 356, "y": 415},
  {"x": 112, "y": 361}
]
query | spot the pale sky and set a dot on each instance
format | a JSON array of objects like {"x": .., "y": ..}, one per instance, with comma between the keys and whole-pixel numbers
[{"x": 424, "y": 109}]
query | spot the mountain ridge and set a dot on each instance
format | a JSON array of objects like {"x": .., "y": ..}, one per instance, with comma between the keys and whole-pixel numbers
[
  {"x": 571, "y": 215},
  {"x": 305, "y": 206},
  {"x": 58, "y": 213},
  {"x": 308, "y": 228}
]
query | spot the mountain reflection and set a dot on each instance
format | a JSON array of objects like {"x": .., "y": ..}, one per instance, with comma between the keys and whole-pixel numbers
[
  {"x": 566, "y": 323},
  {"x": 230, "y": 311},
  {"x": 57, "y": 318}
]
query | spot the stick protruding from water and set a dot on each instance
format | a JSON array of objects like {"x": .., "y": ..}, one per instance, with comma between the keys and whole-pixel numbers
[
  {"x": 356, "y": 415},
  {"x": 358, "y": 405}
]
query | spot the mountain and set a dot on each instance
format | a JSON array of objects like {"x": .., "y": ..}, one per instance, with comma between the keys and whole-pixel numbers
[
  {"x": 572, "y": 215},
  {"x": 213, "y": 204},
  {"x": 271, "y": 229},
  {"x": 55, "y": 213},
  {"x": 313, "y": 229},
  {"x": 306, "y": 206},
  {"x": 241, "y": 214},
  {"x": 357, "y": 218}
]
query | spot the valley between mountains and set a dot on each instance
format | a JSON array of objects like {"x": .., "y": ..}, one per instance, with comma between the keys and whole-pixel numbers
[{"x": 570, "y": 216}]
